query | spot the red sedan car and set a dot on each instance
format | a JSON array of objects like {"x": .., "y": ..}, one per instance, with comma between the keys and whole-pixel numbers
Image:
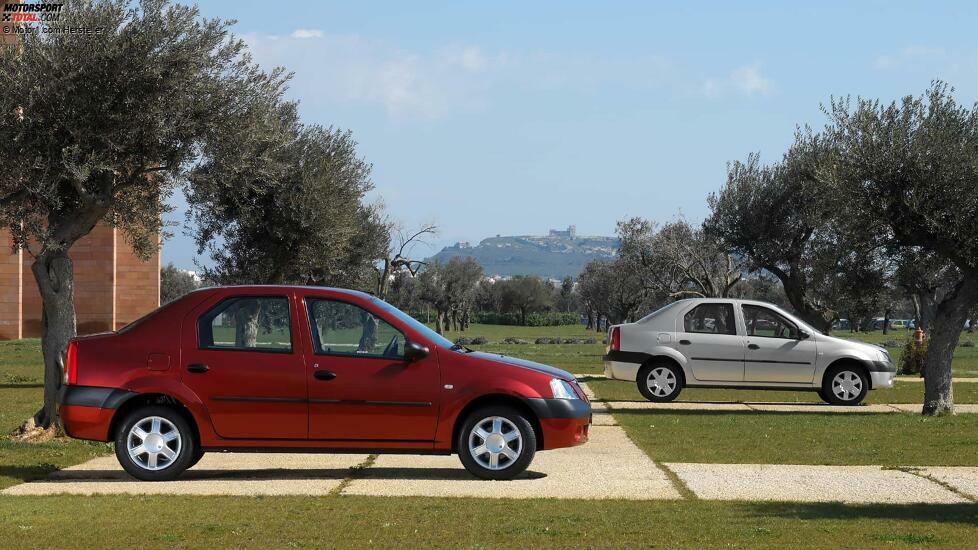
[{"x": 305, "y": 368}]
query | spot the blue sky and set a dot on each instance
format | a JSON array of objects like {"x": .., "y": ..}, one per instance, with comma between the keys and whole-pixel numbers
[{"x": 515, "y": 117}]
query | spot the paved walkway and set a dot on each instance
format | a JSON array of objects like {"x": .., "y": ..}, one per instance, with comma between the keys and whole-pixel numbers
[
  {"x": 779, "y": 407},
  {"x": 608, "y": 466},
  {"x": 917, "y": 379}
]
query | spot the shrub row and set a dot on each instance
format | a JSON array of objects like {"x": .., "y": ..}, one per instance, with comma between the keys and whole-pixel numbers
[{"x": 547, "y": 319}]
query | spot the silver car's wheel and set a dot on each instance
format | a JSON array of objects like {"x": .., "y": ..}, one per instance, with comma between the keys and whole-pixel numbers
[
  {"x": 661, "y": 382},
  {"x": 154, "y": 443},
  {"x": 847, "y": 385},
  {"x": 495, "y": 443},
  {"x": 844, "y": 385}
]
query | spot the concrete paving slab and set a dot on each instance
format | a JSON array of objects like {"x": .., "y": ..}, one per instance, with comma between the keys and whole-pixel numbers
[
  {"x": 798, "y": 483},
  {"x": 677, "y": 406},
  {"x": 820, "y": 408},
  {"x": 608, "y": 466},
  {"x": 778, "y": 407},
  {"x": 962, "y": 380},
  {"x": 215, "y": 474},
  {"x": 963, "y": 478}
]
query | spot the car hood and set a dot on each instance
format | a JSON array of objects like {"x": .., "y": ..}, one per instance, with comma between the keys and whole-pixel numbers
[
  {"x": 843, "y": 342},
  {"x": 523, "y": 363}
]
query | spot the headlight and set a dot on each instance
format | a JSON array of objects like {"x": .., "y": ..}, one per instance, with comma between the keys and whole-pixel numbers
[
  {"x": 885, "y": 356},
  {"x": 562, "y": 389}
]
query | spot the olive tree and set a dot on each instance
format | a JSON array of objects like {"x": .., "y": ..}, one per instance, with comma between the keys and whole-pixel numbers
[
  {"x": 101, "y": 128},
  {"x": 286, "y": 207},
  {"x": 909, "y": 171},
  {"x": 781, "y": 219}
]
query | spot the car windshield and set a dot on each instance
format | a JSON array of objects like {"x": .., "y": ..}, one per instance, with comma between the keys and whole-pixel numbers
[{"x": 438, "y": 339}]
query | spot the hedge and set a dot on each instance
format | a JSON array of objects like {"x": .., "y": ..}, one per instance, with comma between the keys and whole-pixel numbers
[{"x": 548, "y": 319}]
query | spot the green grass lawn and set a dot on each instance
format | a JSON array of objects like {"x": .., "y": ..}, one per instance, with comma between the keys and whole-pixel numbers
[
  {"x": 901, "y": 392},
  {"x": 347, "y": 521},
  {"x": 799, "y": 438},
  {"x": 357, "y": 522}
]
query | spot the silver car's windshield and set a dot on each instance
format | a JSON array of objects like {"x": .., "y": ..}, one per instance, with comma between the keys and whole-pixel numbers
[{"x": 661, "y": 310}]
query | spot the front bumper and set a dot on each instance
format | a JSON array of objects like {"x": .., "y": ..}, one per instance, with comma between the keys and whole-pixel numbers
[
  {"x": 565, "y": 422},
  {"x": 881, "y": 374}
]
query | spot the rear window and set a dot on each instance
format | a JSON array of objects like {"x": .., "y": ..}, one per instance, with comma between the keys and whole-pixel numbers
[
  {"x": 247, "y": 323},
  {"x": 711, "y": 319}
]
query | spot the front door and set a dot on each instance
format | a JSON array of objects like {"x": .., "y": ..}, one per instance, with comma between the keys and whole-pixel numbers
[
  {"x": 360, "y": 385},
  {"x": 240, "y": 357},
  {"x": 709, "y": 340},
  {"x": 775, "y": 350}
]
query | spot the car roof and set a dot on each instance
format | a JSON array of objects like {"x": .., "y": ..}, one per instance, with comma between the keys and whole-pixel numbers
[
  {"x": 730, "y": 301},
  {"x": 327, "y": 289}
]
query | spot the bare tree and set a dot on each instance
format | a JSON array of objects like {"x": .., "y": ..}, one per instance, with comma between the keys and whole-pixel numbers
[{"x": 398, "y": 257}]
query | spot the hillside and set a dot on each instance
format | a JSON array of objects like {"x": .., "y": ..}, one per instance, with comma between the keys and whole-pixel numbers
[{"x": 555, "y": 256}]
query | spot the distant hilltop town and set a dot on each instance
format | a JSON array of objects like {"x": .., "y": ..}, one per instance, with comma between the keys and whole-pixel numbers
[{"x": 560, "y": 253}]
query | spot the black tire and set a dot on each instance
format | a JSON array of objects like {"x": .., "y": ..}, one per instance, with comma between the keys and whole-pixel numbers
[
  {"x": 821, "y": 393},
  {"x": 845, "y": 385},
  {"x": 652, "y": 376},
  {"x": 197, "y": 456},
  {"x": 508, "y": 467},
  {"x": 184, "y": 448}
]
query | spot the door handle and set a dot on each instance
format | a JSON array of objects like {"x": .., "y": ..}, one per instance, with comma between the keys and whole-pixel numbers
[
  {"x": 324, "y": 375},
  {"x": 753, "y": 346},
  {"x": 685, "y": 342},
  {"x": 198, "y": 368}
]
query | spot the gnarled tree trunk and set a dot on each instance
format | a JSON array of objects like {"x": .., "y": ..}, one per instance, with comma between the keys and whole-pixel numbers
[
  {"x": 944, "y": 336},
  {"x": 53, "y": 272}
]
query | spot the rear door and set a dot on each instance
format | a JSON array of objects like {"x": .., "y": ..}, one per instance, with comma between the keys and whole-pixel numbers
[
  {"x": 775, "y": 351},
  {"x": 708, "y": 339},
  {"x": 241, "y": 357},
  {"x": 360, "y": 385}
]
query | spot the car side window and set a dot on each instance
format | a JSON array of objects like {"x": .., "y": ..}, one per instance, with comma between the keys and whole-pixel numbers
[
  {"x": 341, "y": 328},
  {"x": 765, "y": 323},
  {"x": 711, "y": 319},
  {"x": 247, "y": 323}
]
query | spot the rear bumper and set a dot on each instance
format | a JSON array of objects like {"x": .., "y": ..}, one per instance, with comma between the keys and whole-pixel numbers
[
  {"x": 87, "y": 411},
  {"x": 621, "y": 370},
  {"x": 565, "y": 422}
]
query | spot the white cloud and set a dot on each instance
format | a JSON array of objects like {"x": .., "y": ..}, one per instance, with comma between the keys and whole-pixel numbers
[
  {"x": 747, "y": 80},
  {"x": 306, "y": 33},
  {"x": 914, "y": 54}
]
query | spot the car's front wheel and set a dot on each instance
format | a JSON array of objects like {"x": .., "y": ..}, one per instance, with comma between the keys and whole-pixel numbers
[
  {"x": 496, "y": 443},
  {"x": 155, "y": 443},
  {"x": 844, "y": 385},
  {"x": 660, "y": 382}
]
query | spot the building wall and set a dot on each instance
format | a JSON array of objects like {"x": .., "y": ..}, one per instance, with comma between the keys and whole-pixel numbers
[
  {"x": 10, "y": 289},
  {"x": 112, "y": 286}
]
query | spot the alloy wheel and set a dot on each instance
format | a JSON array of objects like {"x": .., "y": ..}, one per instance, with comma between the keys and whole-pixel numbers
[
  {"x": 495, "y": 443},
  {"x": 847, "y": 385},
  {"x": 154, "y": 443},
  {"x": 661, "y": 381}
]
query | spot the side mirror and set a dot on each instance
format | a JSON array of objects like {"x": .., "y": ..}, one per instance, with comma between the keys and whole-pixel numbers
[
  {"x": 414, "y": 351},
  {"x": 803, "y": 335}
]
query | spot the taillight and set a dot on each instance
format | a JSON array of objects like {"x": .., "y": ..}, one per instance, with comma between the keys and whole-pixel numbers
[
  {"x": 71, "y": 364},
  {"x": 615, "y": 340}
]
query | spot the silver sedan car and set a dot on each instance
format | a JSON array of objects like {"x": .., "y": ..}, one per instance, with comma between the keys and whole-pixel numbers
[{"x": 724, "y": 343}]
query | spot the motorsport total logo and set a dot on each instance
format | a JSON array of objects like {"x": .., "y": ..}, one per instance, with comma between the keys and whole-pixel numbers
[{"x": 32, "y": 13}]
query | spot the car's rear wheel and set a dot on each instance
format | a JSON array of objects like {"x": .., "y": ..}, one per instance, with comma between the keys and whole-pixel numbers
[
  {"x": 844, "y": 385},
  {"x": 155, "y": 443},
  {"x": 660, "y": 382},
  {"x": 496, "y": 442}
]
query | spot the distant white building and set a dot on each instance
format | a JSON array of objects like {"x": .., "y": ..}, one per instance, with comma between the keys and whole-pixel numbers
[{"x": 570, "y": 232}]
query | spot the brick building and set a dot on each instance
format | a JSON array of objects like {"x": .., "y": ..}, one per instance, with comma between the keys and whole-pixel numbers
[{"x": 112, "y": 285}]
